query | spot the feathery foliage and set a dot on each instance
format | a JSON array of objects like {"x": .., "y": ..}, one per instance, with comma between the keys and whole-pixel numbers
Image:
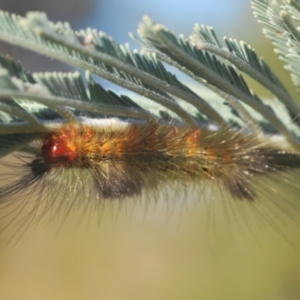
[{"x": 31, "y": 103}]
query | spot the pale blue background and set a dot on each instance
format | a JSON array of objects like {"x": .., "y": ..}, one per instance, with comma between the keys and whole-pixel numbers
[{"x": 117, "y": 18}]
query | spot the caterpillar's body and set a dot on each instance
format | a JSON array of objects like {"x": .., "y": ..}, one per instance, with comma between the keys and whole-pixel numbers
[
  {"x": 122, "y": 161},
  {"x": 85, "y": 164}
]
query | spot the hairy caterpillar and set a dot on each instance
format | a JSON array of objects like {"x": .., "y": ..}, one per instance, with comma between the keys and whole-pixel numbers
[{"x": 85, "y": 164}]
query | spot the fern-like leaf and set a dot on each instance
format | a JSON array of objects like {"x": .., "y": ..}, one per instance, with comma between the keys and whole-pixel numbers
[
  {"x": 30, "y": 103},
  {"x": 281, "y": 22}
]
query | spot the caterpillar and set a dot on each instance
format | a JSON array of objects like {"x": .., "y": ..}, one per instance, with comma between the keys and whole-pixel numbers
[{"x": 117, "y": 160}]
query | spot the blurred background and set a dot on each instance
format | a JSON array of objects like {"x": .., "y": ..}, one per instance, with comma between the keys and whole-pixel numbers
[{"x": 179, "y": 249}]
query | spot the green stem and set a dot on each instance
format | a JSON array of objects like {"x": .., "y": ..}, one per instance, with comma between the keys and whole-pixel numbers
[
  {"x": 245, "y": 67},
  {"x": 50, "y": 100}
]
